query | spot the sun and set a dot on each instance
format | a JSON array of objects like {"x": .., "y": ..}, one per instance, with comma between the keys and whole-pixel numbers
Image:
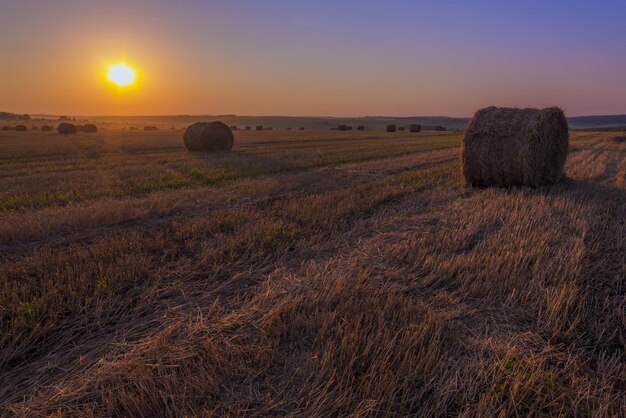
[{"x": 121, "y": 75}]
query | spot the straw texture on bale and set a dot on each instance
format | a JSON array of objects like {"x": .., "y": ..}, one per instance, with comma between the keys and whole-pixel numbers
[
  {"x": 507, "y": 147},
  {"x": 208, "y": 137},
  {"x": 67, "y": 128}
]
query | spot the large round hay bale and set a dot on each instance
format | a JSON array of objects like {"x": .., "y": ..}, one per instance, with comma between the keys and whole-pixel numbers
[
  {"x": 89, "y": 128},
  {"x": 505, "y": 146},
  {"x": 21, "y": 128},
  {"x": 208, "y": 137},
  {"x": 391, "y": 128},
  {"x": 415, "y": 127},
  {"x": 67, "y": 128}
]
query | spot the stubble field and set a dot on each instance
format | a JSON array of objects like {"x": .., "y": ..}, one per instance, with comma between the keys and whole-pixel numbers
[{"x": 306, "y": 273}]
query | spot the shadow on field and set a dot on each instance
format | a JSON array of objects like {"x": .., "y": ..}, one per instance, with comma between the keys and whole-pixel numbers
[
  {"x": 603, "y": 264},
  {"x": 244, "y": 162}
]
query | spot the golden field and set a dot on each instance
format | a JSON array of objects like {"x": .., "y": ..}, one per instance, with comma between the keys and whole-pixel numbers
[{"x": 310, "y": 273}]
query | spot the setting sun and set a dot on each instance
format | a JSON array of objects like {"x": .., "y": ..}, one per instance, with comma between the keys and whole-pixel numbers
[{"x": 121, "y": 75}]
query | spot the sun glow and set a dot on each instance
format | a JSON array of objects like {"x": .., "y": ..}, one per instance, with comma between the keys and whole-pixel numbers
[{"x": 121, "y": 75}]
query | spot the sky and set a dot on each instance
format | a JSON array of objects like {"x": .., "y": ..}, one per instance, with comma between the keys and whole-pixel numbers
[{"x": 322, "y": 58}]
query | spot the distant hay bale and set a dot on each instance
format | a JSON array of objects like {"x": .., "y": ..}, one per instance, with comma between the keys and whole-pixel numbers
[
  {"x": 259, "y": 127},
  {"x": 234, "y": 128},
  {"x": 8, "y": 128},
  {"x": 46, "y": 128},
  {"x": 506, "y": 146},
  {"x": 67, "y": 128},
  {"x": 269, "y": 128},
  {"x": 208, "y": 137},
  {"x": 401, "y": 128},
  {"x": 133, "y": 128},
  {"x": 301, "y": 128},
  {"x": 415, "y": 127},
  {"x": 248, "y": 128},
  {"x": 391, "y": 128},
  {"x": 21, "y": 128},
  {"x": 360, "y": 128},
  {"x": 88, "y": 128},
  {"x": 342, "y": 127},
  {"x": 150, "y": 128}
]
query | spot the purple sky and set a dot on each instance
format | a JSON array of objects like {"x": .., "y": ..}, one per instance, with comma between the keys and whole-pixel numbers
[{"x": 313, "y": 58}]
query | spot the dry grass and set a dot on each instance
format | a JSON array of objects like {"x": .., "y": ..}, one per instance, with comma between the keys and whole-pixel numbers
[{"x": 306, "y": 273}]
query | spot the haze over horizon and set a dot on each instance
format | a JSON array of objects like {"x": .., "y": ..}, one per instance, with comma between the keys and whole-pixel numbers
[{"x": 400, "y": 58}]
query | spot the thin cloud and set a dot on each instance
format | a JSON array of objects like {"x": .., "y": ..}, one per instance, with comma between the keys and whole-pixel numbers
[{"x": 160, "y": 20}]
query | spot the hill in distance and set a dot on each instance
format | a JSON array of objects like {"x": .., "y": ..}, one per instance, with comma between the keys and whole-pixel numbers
[{"x": 601, "y": 122}]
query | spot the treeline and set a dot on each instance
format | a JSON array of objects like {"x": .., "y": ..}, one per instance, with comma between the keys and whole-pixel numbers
[{"x": 13, "y": 116}]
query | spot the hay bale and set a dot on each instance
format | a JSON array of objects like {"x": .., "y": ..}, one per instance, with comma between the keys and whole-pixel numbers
[
  {"x": 301, "y": 128},
  {"x": 259, "y": 127},
  {"x": 234, "y": 128},
  {"x": 505, "y": 146},
  {"x": 415, "y": 127},
  {"x": 440, "y": 128},
  {"x": 248, "y": 128},
  {"x": 89, "y": 128},
  {"x": 8, "y": 128},
  {"x": 46, "y": 128},
  {"x": 150, "y": 128},
  {"x": 401, "y": 128},
  {"x": 21, "y": 128},
  {"x": 391, "y": 128},
  {"x": 360, "y": 128},
  {"x": 67, "y": 128},
  {"x": 208, "y": 137}
]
